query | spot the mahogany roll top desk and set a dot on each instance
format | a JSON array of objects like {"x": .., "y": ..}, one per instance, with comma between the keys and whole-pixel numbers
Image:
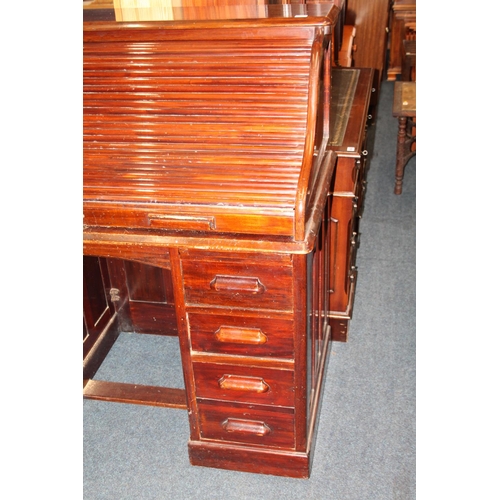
[{"x": 223, "y": 179}]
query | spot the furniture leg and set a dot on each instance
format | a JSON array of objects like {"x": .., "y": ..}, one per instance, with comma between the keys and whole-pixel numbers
[{"x": 400, "y": 155}]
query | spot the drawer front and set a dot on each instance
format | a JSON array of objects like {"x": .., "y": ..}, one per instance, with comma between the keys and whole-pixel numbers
[
  {"x": 239, "y": 283},
  {"x": 242, "y": 335},
  {"x": 263, "y": 426},
  {"x": 248, "y": 384}
]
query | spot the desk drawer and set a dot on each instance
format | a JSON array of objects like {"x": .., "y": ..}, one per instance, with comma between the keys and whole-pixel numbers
[
  {"x": 266, "y": 426},
  {"x": 241, "y": 383},
  {"x": 239, "y": 283},
  {"x": 242, "y": 335}
]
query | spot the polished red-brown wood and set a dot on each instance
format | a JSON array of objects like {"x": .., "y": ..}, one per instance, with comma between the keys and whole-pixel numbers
[{"x": 207, "y": 186}]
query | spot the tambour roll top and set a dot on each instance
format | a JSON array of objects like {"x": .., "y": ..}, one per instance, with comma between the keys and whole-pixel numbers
[{"x": 201, "y": 129}]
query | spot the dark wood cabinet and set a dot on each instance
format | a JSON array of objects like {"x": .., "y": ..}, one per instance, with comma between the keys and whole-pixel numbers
[{"x": 211, "y": 180}]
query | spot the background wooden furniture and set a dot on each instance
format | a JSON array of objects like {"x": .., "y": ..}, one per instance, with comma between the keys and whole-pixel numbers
[
  {"x": 409, "y": 62},
  {"x": 405, "y": 110},
  {"x": 403, "y": 26},
  {"x": 371, "y": 20},
  {"x": 348, "y": 46}
]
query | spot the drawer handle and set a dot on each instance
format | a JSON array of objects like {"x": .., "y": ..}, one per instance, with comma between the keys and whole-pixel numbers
[
  {"x": 354, "y": 240},
  {"x": 248, "y": 384},
  {"x": 246, "y": 426},
  {"x": 240, "y": 335},
  {"x": 223, "y": 283},
  {"x": 181, "y": 222}
]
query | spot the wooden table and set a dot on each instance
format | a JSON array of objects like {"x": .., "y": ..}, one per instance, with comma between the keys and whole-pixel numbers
[
  {"x": 405, "y": 110},
  {"x": 208, "y": 189}
]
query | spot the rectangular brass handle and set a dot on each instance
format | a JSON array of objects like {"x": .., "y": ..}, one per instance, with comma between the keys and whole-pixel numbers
[
  {"x": 240, "y": 335},
  {"x": 222, "y": 283},
  {"x": 182, "y": 222},
  {"x": 240, "y": 383},
  {"x": 246, "y": 426}
]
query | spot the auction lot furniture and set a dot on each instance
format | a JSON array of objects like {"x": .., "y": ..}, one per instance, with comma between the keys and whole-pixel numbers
[{"x": 209, "y": 192}]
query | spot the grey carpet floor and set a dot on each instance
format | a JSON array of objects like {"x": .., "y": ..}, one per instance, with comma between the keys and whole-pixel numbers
[{"x": 365, "y": 447}]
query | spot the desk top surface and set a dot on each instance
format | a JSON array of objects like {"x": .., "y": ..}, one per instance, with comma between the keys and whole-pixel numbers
[{"x": 297, "y": 11}]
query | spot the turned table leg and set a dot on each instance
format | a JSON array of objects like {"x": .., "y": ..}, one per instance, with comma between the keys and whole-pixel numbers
[{"x": 400, "y": 155}]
